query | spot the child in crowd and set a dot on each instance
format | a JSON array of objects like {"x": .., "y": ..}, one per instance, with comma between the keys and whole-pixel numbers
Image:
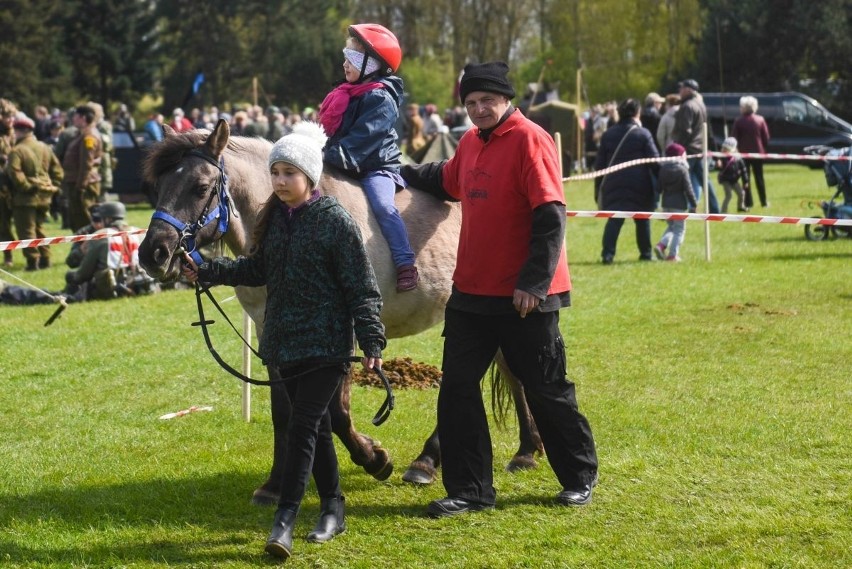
[
  {"x": 676, "y": 196},
  {"x": 316, "y": 300},
  {"x": 358, "y": 116},
  {"x": 732, "y": 171}
]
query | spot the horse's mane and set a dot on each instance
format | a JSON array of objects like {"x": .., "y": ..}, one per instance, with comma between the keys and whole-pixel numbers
[{"x": 167, "y": 154}]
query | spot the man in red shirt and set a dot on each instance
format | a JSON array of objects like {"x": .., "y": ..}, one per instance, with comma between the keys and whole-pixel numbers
[{"x": 510, "y": 281}]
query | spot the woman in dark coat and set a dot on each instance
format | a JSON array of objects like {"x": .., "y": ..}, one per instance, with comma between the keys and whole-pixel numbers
[
  {"x": 752, "y": 136},
  {"x": 630, "y": 189}
]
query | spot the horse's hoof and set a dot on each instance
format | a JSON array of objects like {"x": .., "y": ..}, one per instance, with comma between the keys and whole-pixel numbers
[
  {"x": 264, "y": 497},
  {"x": 418, "y": 477},
  {"x": 385, "y": 465},
  {"x": 519, "y": 463}
]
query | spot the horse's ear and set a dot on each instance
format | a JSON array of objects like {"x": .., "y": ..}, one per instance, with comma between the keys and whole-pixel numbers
[
  {"x": 218, "y": 139},
  {"x": 168, "y": 131}
]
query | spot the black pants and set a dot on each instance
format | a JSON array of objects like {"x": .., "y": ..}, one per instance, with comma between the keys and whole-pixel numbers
[
  {"x": 535, "y": 353},
  {"x": 613, "y": 228},
  {"x": 756, "y": 173},
  {"x": 310, "y": 448}
]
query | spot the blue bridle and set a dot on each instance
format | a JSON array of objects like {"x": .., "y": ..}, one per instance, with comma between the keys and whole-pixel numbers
[{"x": 222, "y": 213}]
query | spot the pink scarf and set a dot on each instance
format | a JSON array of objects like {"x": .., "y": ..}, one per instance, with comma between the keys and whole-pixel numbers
[{"x": 335, "y": 103}]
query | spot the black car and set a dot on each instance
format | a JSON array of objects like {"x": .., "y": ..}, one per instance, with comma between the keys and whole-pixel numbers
[
  {"x": 795, "y": 120},
  {"x": 127, "y": 178}
]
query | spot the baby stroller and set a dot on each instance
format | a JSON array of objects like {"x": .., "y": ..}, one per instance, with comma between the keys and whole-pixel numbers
[{"x": 837, "y": 173}]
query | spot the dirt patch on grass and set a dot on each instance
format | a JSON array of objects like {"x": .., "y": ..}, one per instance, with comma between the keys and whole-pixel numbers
[{"x": 402, "y": 373}]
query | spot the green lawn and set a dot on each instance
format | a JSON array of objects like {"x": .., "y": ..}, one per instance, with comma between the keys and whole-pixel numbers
[{"x": 719, "y": 394}]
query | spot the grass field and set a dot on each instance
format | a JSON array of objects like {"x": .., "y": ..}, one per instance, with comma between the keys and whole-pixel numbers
[{"x": 720, "y": 395}]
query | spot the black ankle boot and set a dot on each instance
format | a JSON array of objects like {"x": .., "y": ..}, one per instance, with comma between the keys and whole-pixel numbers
[
  {"x": 331, "y": 521},
  {"x": 280, "y": 542}
]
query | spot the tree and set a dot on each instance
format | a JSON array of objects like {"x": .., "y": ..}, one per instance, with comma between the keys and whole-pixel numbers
[
  {"x": 779, "y": 45},
  {"x": 109, "y": 45},
  {"x": 35, "y": 71}
]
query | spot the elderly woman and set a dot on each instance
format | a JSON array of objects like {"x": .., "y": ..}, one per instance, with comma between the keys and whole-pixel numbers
[{"x": 752, "y": 135}]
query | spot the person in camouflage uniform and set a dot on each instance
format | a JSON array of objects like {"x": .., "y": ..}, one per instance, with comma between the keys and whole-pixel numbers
[
  {"x": 68, "y": 134},
  {"x": 108, "y": 159},
  {"x": 81, "y": 163},
  {"x": 101, "y": 277},
  {"x": 34, "y": 175},
  {"x": 7, "y": 141}
]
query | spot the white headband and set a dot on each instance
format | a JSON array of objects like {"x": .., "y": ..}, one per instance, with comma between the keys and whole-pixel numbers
[{"x": 356, "y": 58}]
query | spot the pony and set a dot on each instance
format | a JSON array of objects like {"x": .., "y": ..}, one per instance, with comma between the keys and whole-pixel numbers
[{"x": 192, "y": 171}]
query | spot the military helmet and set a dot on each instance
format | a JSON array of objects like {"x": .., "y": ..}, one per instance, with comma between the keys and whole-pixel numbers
[{"x": 112, "y": 210}]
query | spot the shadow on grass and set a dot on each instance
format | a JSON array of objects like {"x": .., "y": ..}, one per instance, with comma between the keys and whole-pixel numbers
[{"x": 210, "y": 518}]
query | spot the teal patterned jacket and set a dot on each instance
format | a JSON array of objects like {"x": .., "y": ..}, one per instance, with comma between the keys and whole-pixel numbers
[{"x": 320, "y": 285}]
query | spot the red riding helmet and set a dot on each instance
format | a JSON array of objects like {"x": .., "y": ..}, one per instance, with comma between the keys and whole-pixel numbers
[{"x": 380, "y": 43}]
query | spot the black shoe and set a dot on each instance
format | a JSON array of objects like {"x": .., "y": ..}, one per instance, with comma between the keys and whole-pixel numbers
[
  {"x": 331, "y": 521},
  {"x": 44, "y": 263},
  {"x": 577, "y": 497},
  {"x": 32, "y": 265},
  {"x": 607, "y": 259},
  {"x": 446, "y": 507},
  {"x": 280, "y": 542}
]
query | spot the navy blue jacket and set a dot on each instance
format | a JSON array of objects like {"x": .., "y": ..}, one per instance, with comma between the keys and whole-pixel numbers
[
  {"x": 366, "y": 139},
  {"x": 630, "y": 189}
]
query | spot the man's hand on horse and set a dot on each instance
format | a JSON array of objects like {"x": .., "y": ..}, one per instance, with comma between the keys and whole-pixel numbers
[
  {"x": 525, "y": 302},
  {"x": 188, "y": 268}
]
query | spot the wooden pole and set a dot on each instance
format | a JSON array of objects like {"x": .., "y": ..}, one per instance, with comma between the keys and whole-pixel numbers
[
  {"x": 557, "y": 138},
  {"x": 706, "y": 166},
  {"x": 254, "y": 89},
  {"x": 246, "y": 367},
  {"x": 580, "y": 158}
]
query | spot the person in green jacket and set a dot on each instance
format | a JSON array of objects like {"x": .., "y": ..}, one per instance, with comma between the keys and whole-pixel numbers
[
  {"x": 34, "y": 173},
  {"x": 321, "y": 288}
]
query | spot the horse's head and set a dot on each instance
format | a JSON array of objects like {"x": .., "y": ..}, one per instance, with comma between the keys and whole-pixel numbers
[{"x": 187, "y": 171}]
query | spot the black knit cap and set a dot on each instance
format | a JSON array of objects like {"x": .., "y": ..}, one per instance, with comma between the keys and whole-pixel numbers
[{"x": 490, "y": 77}]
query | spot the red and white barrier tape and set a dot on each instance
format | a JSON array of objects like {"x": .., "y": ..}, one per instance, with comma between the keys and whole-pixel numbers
[
  {"x": 712, "y": 217},
  {"x": 638, "y": 161},
  {"x": 775, "y": 156},
  {"x": 30, "y": 243}
]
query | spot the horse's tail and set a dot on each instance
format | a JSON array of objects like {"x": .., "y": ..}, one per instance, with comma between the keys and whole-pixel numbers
[{"x": 502, "y": 399}]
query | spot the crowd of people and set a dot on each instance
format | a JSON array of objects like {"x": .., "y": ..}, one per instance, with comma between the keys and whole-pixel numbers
[
  {"x": 62, "y": 169},
  {"x": 670, "y": 126}
]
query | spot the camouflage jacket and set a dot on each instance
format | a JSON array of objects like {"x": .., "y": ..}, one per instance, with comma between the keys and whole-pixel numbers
[
  {"x": 83, "y": 158},
  {"x": 34, "y": 173}
]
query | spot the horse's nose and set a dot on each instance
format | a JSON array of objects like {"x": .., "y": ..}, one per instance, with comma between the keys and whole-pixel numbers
[{"x": 154, "y": 256}]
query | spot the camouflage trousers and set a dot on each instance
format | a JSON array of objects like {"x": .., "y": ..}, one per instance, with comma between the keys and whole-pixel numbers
[{"x": 29, "y": 223}]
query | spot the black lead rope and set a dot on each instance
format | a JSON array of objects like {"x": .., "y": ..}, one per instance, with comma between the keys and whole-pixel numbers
[{"x": 381, "y": 415}]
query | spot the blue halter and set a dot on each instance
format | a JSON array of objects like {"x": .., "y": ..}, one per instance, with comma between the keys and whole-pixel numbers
[{"x": 221, "y": 214}]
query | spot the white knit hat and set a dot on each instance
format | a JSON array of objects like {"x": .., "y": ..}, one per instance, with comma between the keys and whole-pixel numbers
[
  {"x": 302, "y": 148},
  {"x": 729, "y": 144}
]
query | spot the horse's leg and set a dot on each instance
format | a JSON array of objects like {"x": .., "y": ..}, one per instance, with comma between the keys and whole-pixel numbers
[
  {"x": 424, "y": 469},
  {"x": 530, "y": 440},
  {"x": 267, "y": 494},
  {"x": 363, "y": 450}
]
